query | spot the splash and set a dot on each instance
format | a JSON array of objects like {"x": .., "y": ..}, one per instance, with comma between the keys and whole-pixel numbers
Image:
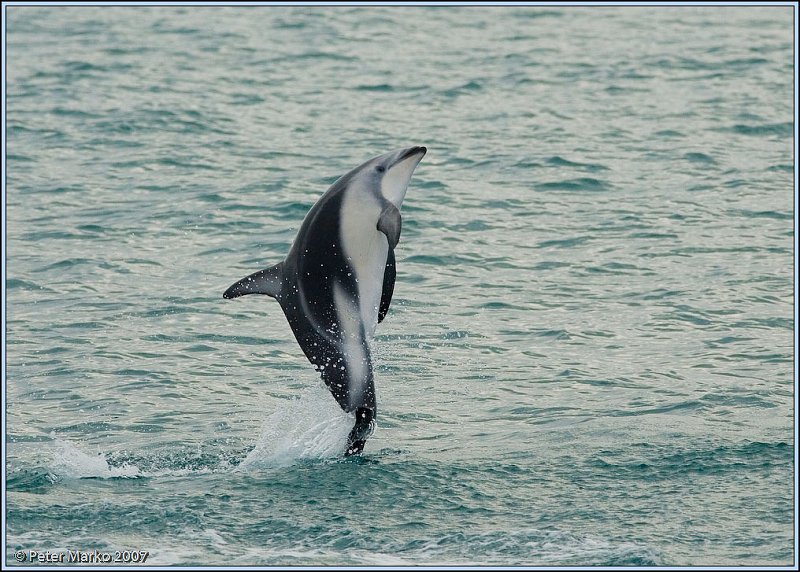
[
  {"x": 311, "y": 426},
  {"x": 69, "y": 462}
]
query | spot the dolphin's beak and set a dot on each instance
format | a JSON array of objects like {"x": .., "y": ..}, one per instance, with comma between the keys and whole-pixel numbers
[
  {"x": 410, "y": 153},
  {"x": 395, "y": 182}
]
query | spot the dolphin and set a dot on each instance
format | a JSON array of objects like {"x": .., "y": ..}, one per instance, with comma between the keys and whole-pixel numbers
[{"x": 336, "y": 283}]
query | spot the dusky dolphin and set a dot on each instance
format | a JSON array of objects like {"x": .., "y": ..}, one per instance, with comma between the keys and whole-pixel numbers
[{"x": 336, "y": 283}]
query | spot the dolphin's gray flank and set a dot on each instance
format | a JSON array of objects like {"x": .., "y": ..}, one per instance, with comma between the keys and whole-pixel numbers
[{"x": 336, "y": 283}]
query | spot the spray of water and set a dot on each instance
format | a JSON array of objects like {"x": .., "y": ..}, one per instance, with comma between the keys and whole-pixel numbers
[
  {"x": 69, "y": 462},
  {"x": 311, "y": 426}
]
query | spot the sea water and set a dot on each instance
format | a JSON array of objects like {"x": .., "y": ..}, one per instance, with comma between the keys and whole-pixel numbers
[{"x": 588, "y": 359}]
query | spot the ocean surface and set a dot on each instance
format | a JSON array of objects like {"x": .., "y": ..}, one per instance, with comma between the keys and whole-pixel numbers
[{"x": 589, "y": 355}]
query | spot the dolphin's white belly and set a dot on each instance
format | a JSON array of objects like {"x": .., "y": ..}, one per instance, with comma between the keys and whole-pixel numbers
[
  {"x": 370, "y": 282},
  {"x": 366, "y": 249}
]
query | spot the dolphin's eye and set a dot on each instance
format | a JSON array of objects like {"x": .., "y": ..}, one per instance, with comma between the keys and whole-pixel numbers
[{"x": 380, "y": 168}]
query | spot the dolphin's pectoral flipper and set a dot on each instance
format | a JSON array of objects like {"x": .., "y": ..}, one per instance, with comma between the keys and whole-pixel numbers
[
  {"x": 389, "y": 275},
  {"x": 365, "y": 425},
  {"x": 267, "y": 281},
  {"x": 389, "y": 224}
]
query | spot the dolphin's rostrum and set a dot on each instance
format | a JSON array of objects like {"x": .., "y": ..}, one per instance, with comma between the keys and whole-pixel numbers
[{"x": 336, "y": 283}]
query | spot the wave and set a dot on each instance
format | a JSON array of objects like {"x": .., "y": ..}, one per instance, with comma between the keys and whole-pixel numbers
[{"x": 530, "y": 547}]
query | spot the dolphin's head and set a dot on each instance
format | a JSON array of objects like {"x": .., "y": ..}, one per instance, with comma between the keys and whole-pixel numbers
[{"x": 391, "y": 173}]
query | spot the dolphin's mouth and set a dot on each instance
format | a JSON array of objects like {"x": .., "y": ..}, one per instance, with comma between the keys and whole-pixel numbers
[{"x": 411, "y": 152}]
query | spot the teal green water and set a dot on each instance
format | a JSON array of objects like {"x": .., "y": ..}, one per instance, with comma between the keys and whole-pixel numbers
[{"x": 588, "y": 359}]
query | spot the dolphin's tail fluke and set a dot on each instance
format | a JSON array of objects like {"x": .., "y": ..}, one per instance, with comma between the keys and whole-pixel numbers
[{"x": 365, "y": 425}]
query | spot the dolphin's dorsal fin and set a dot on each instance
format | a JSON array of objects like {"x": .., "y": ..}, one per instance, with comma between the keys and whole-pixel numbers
[{"x": 268, "y": 281}]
